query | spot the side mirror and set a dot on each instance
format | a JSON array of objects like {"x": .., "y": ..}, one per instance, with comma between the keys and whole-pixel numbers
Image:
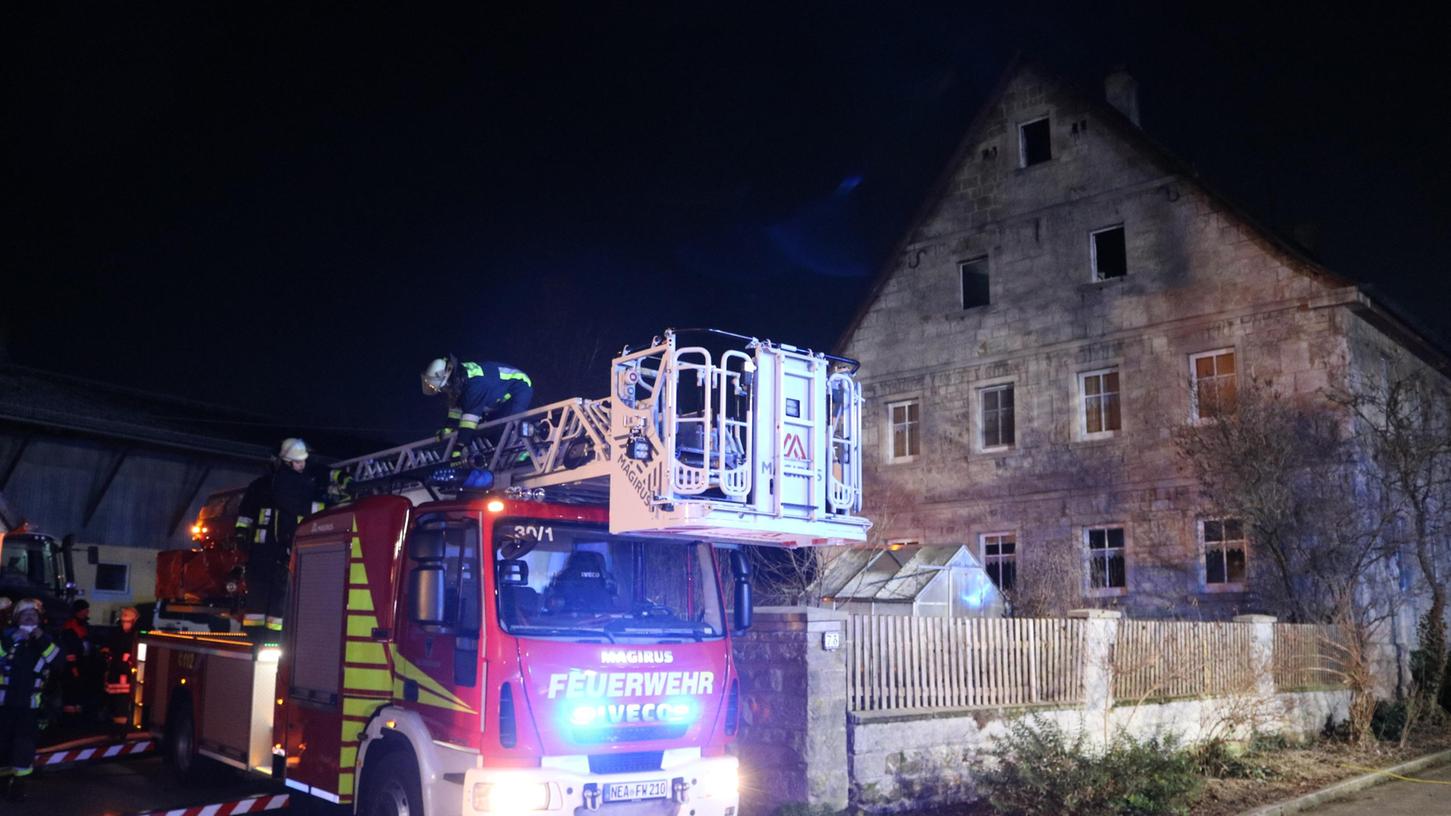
[
  {"x": 426, "y": 544},
  {"x": 425, "y": 588},
  {"x": 741, "y": 571},
  {"x": 513, "y": 572}
]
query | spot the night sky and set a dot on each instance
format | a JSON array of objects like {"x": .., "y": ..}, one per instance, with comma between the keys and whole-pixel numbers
[{"x": 290, "y": 210}]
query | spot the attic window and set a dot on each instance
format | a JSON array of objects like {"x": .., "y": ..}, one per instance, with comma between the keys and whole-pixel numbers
[
  {"x": 1110, "y": 257},
  {"x": 1034, "y": 143},
  {"x": 974, "y": 283}
]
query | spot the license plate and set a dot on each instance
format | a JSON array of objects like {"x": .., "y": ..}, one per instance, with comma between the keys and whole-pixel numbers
[{"x": 654, "y": 789}]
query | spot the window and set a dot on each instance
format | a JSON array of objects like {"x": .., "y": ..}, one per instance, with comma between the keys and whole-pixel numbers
[
  {"x": 1105, "y": 557},
  {"x": 1224, "y": 549},
  {"x": 1100, "y": 397},
  {"x": 1212, "y": 391},
  {"x": 904, "y": 418},
  {"x": 1000, "y": 559},
  {"x": 577, "y": 581},
  {"x": 113, "y": 577},
  {"x": 1108, "y": 252},
  {"x": 1035, "y": 144},
  {"x": 997, "y": 417},
  {"x": 974, "y": 283}
]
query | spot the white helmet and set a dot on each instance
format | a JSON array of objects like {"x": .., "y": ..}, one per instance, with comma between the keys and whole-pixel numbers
[
  {"x": 27, "y": 605},
  {"x": 293, "y": 450},
  {"x": 436, "y": 375}
]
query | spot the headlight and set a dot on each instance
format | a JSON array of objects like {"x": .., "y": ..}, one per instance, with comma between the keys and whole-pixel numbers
[
  {"x": 721, "y": 783},
  {"x": 508, "y": 796}
]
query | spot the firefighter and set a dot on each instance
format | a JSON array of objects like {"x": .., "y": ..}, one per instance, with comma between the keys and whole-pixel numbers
[
  {"x": 77, "y": 682},
  {"x": 119, "y": 652},
  {"x": 271, "y": 508},
  {"x": 26, "y": 655},
  {"x": 477, "y": 392}
]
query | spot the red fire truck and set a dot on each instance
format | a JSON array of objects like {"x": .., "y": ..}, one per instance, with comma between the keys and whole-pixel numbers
[{"x": 546, "y": 631}]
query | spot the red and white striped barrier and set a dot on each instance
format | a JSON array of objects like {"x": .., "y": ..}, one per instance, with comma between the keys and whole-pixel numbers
[
  {"x": 256, "y": 804},
  {"x": 60, "y": 757}
]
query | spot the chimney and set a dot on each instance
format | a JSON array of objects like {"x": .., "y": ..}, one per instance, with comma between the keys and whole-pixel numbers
[{"x": 1121, "y": 91}]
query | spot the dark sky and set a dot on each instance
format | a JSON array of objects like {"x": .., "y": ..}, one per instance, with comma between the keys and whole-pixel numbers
[{"x": 290, "y": 208}]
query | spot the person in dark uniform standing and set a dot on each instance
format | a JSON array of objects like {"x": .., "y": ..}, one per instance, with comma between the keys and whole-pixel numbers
[
  {"x": 78, "y": 682},
  {"x": 477, "y": 392},
  {"x": 26, "y": 656},
  {"x": 270, "y": 511},
  {"x": 119, "y": 653}
]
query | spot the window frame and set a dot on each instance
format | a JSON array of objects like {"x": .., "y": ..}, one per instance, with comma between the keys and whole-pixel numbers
[
  {"x": 986, "y": 560},
  {"x": 96, "y": 579},
  {"x": 1243, "y": 541},
  {"x": 1194, "y": 414},
  {"x": 890, "y": 437},
  {"x": 1105, "y": 591},
  {"x": 1023, "y": 162},
  {"x": 981, "y": 435},
  {"x": 1093, "y": 253},
  {"x": 962, "y": 282},
  {"x": 1081, "y": 409}
]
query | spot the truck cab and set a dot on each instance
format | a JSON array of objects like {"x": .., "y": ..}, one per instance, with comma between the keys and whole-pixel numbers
[
  {"x": 532, "y": 662},
  {"x": 35, "y": 565}
]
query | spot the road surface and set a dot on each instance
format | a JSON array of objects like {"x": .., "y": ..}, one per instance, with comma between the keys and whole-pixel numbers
[{"x": 1429, "y": 796}]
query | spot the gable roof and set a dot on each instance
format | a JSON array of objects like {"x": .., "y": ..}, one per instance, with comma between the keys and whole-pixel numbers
[{"x": 1374, "y": 309}]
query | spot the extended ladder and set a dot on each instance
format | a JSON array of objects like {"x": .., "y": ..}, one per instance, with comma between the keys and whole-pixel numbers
[{"x": 760, "y": 445}]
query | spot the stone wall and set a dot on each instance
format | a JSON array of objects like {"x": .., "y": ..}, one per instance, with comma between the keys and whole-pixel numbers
[
  {"x": 792, "y": 743},
  {"x": 905, "y": 762},
  {"x": 799, "y": 744}
]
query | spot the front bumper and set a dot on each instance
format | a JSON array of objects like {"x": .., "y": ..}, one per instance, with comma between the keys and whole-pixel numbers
[{"x": 705, "y": 786}]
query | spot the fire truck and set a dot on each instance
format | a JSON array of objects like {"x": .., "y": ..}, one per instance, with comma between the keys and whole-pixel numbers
[{"x": 548, "y": 629}]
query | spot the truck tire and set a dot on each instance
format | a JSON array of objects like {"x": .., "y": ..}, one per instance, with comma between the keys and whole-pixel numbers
[
  {"x": 179, "y": 743},
  {"x": 394, "y": 789}
]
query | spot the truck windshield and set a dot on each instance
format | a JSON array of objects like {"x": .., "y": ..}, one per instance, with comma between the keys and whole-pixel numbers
[{"x": 568, "y": 580}]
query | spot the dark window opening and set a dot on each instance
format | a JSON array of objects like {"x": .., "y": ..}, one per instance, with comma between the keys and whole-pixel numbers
[
  {"x": 974, "y": 283},
  {"x": 111, "y": 577},
  {"x": 997, "y": 417},
  {"x": 1106, "y": 558},
  {"x": 1110, "y": 257},
  {"x": 1036, "y": 143}
]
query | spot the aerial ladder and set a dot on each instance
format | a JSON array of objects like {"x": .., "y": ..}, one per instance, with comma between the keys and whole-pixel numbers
[{"x": 758, "y": 444}]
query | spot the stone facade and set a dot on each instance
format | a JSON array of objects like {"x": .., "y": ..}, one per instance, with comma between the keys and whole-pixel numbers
[{"x": 1199, "y": 278}]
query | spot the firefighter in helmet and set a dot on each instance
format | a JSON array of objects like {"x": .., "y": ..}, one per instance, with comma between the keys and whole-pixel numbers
[
  {"x": 477, "y": 392},
  {"x": 26, "y": 656},
  {"x": 270, "y": 511}
]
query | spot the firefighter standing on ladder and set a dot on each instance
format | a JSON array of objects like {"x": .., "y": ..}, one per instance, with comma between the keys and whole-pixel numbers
[
  {"x": 271, "y": 509},
  {"x": 477, "y": 392}
]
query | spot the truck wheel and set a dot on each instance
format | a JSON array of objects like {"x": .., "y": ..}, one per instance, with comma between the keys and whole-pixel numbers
[
  {"x": 395, "y": 790},
  {"x": 179, "y": 743}
]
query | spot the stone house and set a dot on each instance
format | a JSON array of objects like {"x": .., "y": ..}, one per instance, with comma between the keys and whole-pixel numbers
[{"x": 1068, "y": 295}]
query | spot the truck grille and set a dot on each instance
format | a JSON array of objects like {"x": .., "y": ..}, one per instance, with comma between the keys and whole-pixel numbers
[
  {"x": 625, "y": 763},
  {"x": 636, "y": 734}
]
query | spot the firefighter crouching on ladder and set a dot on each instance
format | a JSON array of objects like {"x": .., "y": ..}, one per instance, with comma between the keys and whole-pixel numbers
[
  {"x": 26, "y": 656},
  {"x": 477, "y": 392},
  {"x": 271, "y": 508}
]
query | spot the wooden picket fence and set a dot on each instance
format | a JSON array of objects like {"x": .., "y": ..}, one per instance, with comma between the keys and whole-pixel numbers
[
  {"x": 916, "y": 662},
  {"x": 1306, "y": 657},
  {"x": 1159, "y": 659}
]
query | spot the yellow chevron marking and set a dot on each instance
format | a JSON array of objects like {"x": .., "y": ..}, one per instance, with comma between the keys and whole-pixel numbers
[
  {"x": 361, "y": 624},
  {"x": 404, "y": 670},
  {"x": 366, "y": 653},
  {"x": 360, "y": 706},
  {"x": 360, "y": 600},
  {"x": 366, "y": 680},
  {"x": 357, "y": 574}
]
